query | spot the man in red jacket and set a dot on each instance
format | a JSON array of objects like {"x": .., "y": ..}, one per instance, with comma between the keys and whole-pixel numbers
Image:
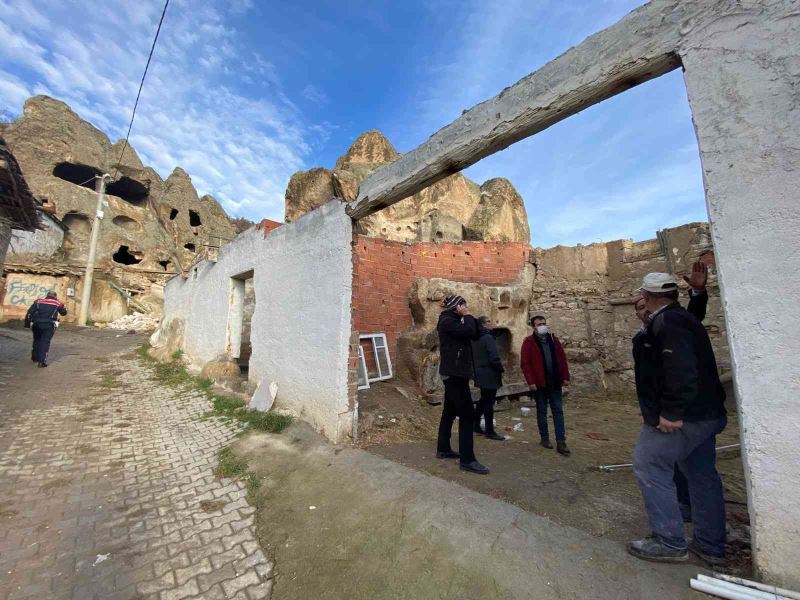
[{"x": 546, "y": 370}]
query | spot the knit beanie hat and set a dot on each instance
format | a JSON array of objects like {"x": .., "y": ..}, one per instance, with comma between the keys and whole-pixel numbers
[{"x": 451, "y": 302}]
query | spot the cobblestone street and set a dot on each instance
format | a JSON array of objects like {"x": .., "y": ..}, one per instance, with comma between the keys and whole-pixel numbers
[{"x": 107, "y": 487}]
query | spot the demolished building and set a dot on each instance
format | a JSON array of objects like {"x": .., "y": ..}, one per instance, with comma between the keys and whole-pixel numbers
[
  {"x": 151, "y": 228},
  {"x": 740, "y": 67}
]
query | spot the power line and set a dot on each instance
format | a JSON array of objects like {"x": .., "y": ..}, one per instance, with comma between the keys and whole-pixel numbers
[{"x": 139, "y": 93}]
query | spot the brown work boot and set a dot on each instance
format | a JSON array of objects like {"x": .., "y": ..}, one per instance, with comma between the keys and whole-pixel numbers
[
  {"x": 546, "y": 443},
  {"x": 561, "y": 447}
]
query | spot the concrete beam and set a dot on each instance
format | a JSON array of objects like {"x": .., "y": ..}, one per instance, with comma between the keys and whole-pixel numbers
[{"x": 640, "y": 47}]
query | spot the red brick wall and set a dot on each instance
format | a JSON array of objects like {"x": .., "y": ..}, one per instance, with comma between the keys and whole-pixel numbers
[{"x": 384, "y": 272}]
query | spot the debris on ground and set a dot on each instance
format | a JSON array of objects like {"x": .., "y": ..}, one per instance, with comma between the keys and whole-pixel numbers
[
  {"x": 134, "y": 323},
  {"x": 100, "y": 558}
]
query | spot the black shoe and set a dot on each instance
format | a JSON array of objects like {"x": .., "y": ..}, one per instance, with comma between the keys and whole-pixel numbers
[
  {"x": 496, "y": 436},
  {"x": 546, "y": 443},
  {"x": 448, "y": 454},
  {"x": 42, "y": 365},
  {"x": 712, "y": 560},
  {"x": 651, "y": 548},
  {"x": 475, "y": 467},
  {"x": 561, "y": 448}
]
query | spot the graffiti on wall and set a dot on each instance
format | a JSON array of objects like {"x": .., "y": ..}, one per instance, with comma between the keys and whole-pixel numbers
[{"x": 23, "y": 293}]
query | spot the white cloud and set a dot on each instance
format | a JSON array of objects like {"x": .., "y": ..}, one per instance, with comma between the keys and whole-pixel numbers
[
  {"x": 13, "y": 91},
  {"x": 240, "y": 147}
]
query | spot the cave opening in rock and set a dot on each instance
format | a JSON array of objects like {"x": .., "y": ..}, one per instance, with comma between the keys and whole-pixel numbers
[
  {"x": 505, "y": 348},
  {"x": 194, "y": 219},
  {"x": 78, "y": 224},
  {"x": 173, "y": 213},
  {"x": 79, "y": 174},
  {"x": 189, "y": 247},
  {"x": 127, "y": 223},
  {"x": 130, "y": 190},
  {"x": 124, "y": 256},
  {"x": 164, "y": 264}
]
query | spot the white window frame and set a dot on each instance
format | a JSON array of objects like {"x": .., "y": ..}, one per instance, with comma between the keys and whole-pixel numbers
[
  {"x": 362, "y": 368},
  {"x": 378, "y": 341}
]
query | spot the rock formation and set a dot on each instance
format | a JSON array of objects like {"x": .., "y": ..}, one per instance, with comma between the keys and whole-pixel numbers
[
  {"x": 452, "y": 209},
  {"x": 151, "y": 228}
]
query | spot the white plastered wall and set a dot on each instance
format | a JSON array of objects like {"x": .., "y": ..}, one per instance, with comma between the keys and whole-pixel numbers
[
  {"x": 742, "y": 77},
  {"x": 302, "y": 277}
]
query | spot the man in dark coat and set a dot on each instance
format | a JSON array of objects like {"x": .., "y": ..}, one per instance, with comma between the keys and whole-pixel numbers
[
  {"x": 42, "y": 318},
  {"x": 682, "y": 404},
  {"x": 488, "y": 377},
  {"x": 544, "y": 364},
  {"x": 698, "y": 302},
  {"x": 457, "y": 329}
]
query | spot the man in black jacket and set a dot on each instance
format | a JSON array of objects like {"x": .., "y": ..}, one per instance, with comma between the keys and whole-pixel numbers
[
  {"x": 457, "y": 329},
  {"x": 698, "y": 302},
  {"x": 42, "y": 318},
  {"x": 488, "y": 377},
  {"x": 681, "y": 399}
]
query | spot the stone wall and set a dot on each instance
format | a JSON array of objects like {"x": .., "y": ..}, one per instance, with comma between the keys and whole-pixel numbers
[
  {"x": 41, "y": 244},
  {"x": 18, "y": 290},
  {"x": 586, "y": 292}
]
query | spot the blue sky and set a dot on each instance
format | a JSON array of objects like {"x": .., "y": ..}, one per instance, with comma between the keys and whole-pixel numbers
[{"x": 242, "y": 93}]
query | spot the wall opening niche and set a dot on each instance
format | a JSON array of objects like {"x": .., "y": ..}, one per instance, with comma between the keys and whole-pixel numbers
[{"x": 242, "y": 305}]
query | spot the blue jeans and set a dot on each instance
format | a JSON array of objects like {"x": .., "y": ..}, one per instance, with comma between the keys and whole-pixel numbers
[
  {"x": 552, "y": 397},
  {"x": 692, "y": 448}
]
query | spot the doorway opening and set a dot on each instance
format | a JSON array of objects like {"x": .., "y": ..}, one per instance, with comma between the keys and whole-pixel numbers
[{"x": 241, "y": 306}]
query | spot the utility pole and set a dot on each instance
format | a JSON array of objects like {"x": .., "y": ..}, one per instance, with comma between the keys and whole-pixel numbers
[{"x": 86, "y": 296}]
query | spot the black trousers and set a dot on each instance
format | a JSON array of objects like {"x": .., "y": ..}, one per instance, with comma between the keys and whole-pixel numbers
[
  {"x": 42, "y": 334},
  {"x": 457, "y": 403},
  {"x": 485, "y": 409}
]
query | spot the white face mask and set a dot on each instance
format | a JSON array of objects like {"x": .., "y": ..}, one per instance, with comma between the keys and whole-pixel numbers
[{"x": 542, "y": 330}]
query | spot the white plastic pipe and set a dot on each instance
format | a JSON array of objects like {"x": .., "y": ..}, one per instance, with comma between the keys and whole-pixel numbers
[
  {"x": 716, "y": 589},
  {"x": 759, "y": 586},
  {"x": 753, "y": 593},
  {"x": 730, "y": 591}
]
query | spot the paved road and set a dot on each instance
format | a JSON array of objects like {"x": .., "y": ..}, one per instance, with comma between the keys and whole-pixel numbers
[{"x": 106, "y": 481}]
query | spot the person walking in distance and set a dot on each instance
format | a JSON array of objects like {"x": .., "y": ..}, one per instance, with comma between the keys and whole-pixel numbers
[
  {"x": 42, "y": 318},
  {"x": 457, "y": 329},
  {"x": 488, "y": 377},
  {"x": 698, "y": 302},
  {"x": 544, "y": 364},
  {"x": 682, "y": 404}
]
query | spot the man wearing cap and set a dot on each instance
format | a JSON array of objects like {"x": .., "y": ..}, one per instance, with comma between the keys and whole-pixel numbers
[
  {"x": 42, "y": 318},
  {"x": 457, "y": 329},
  {"x": 682, "y": 404},
  {"x": 698, "y": 302}
]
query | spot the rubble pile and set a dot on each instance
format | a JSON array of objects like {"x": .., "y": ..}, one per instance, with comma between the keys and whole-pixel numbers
[{"x": 136, "y": 322}]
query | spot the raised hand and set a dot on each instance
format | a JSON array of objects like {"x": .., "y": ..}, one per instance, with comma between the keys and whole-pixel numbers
[{"x": 698, "y": 278}]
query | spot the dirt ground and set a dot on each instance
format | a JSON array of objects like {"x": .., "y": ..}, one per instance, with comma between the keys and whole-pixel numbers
[
  {"x": 340, "y": 522},
  {"x": 570, "y": 490}
]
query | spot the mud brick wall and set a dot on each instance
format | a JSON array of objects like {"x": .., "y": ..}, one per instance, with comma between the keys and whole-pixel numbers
[{"x": 384, "y": 272}]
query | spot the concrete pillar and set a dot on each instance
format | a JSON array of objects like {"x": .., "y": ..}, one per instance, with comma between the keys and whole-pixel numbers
[{"x": 742, "y": 79}]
